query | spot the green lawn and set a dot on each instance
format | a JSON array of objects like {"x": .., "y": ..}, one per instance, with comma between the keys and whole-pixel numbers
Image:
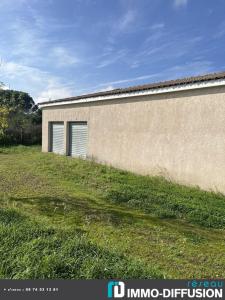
[{"x": 62, "y": 217}]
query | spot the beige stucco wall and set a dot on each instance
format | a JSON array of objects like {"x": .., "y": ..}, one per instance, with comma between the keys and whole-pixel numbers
[{"x": 178, "y": 135}]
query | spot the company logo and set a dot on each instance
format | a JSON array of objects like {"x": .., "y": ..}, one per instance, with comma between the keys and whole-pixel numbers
[
  {"x": 198, "y": 289},
  {"x": 116, "y": 289}
]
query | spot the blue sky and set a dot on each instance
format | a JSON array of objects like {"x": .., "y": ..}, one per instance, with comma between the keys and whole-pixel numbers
[{"x": 54, "y": 48}]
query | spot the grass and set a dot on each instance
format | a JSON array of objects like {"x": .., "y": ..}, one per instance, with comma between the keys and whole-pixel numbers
[
  {"x": 68, "y": 218},
  {"x": 31, "y": 250}
]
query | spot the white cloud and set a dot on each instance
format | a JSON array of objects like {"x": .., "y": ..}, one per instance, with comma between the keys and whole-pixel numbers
[
  {"x": 25, "y": 64},
  {"x": 121, "y": 25},
  {"x": 127, "y": 19},
  {"x": 43, "y": 85},
  {"x": 12, "y": 4},
  {"x": 177, "y": 71},
  {"x": 159, "y": 47},
  {"x": 14, "y": 70},
  {"x": 54, "y": 91},
  {"x": 28, "y": 43},
  {"x": 220, "y": 31},
  {"x": 24, "y": 38},
  {"x": 154, "y": 37},
  {"x": 112, "y": 58},
  {"x": 104, "y": 89},
  {"x": 180, "y": 3},
  {"x": 189, "y": 69},
  {"x": 63, "y": 57},
  {"x": 138, "y": 78},
  {"x": 157, "y": 26}
]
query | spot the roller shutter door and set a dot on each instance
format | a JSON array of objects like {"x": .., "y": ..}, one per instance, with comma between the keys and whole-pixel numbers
[
  {"x": 78, "y": 139},
  {"x": 57, "y": 138}
]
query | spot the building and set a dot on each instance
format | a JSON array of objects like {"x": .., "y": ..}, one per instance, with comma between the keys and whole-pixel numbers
[{"x": 173, "y": 128}]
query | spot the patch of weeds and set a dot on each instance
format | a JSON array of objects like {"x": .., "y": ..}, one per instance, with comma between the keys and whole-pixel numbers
[
  {"x": 195, "y": 238},
  {"x": 169, "y": 200},
  {"x": 165, "y": 214},
  {"x": 10, "y": 216}
]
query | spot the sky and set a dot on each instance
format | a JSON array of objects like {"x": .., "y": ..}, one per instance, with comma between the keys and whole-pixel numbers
[{"x": 60, "y": 48}]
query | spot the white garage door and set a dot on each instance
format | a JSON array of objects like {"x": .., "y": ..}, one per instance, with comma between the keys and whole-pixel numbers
[
  {"x": 57, "y": 138},
  {"x": 78, "y": 139}
]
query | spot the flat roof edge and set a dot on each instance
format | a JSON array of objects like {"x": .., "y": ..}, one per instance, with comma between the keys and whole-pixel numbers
[{"x": 154, "y": 91}]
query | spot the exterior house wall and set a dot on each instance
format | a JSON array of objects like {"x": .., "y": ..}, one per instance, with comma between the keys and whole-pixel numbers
[{"x": 179, "y": 135}]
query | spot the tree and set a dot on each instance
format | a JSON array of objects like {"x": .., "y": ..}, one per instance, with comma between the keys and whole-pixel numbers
[
  {"x": 21, "y": 118},
  {"x": 16, "y": 100},
  {"x": 4, "y": 115}
]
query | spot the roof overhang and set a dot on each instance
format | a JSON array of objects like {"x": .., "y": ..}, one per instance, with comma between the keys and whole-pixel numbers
[{"x": 154, "y": 91}]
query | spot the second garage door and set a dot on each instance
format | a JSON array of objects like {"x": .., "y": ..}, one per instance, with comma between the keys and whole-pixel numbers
[{"x": 78, "y": 139}]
